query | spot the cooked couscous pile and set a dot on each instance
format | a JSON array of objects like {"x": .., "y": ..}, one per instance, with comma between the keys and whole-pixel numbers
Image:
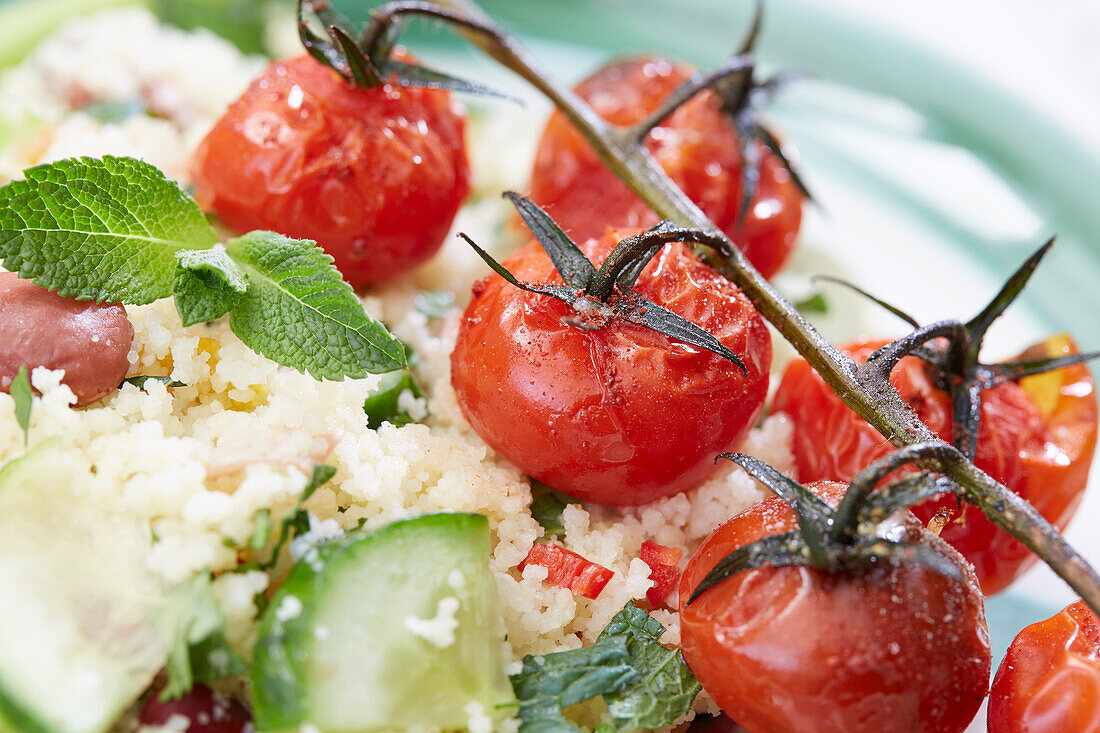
[{"x": 197, "y": 462}]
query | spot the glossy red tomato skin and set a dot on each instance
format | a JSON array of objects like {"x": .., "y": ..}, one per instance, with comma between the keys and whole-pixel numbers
[
  {"x": 375, "y": 176},
  {"x": 1049, "y": 681},
  {"x": 893, "y": 648},
  {"x": 622, "y": 415},
  {"x": 206, "y": 711},
  {"x": 697, "y": 146},
  {"x": 1042, "y": 455}
]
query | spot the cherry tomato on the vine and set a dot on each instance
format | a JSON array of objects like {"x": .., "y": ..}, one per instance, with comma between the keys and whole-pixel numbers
[
  {"x": 374, "y": 175},
  {"x": 618, "y": 415},
  {"x": 697, "y": 146},
  {"x": 892, "y": 647},
  {"x": 1049, "y": 681},
  {"x": 1036, "y": 436}
]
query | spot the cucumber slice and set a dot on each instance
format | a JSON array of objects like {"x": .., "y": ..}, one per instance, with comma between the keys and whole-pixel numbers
[
  {"x": 76, "y": 644},
  {"x": 336, "y": 650}
]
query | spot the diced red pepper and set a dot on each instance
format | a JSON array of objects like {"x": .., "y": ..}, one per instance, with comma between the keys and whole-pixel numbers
[
  {"x": 663, "y": 570},
  {"x": 569, "y": 570}
]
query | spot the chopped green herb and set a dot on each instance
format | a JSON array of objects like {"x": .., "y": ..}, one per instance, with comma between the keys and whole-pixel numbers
[
  {"x": 813, "y": 304},
  {"x": 113, "y": 111},
  {"x": 435, "y": 303},
  {"x": 547, "y": 508},
  {"x": 382, "y": 406},
  {"x": 192, "y": 625},
  {"x": 140, "y": 381},
  {"x": 104, "y": 229},
  {"x": 294, "y": 523},
  {"x": 23, "y": 396},
  {"x": 261, "y": 530},
  {"x": 644, "y": 684}
]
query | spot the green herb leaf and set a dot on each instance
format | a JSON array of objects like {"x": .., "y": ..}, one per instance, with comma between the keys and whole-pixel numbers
[
  {"x": 299, "y": 312},
  {"x": 644, "y": 684},
  {"x": 206, "y": 285},
  {"x": 294, "y": 523},
  {"x": 139, "y": 381},
  {"x": 813, "y": 304},
  {"x": 551, "y": 682},
  {"x": 664, "y": 687},
  {"x": 23, "y": 396},
  {"x": 104, "y": 229},
  {"x": 113, "y": 111},
  {"x": 435, "y": 303},
  {"x": 382, "y": 405},
  {"x": 261, "y": 529},
  {"x": 192, "y": 625},
  {"x": 547, "y": 508}
]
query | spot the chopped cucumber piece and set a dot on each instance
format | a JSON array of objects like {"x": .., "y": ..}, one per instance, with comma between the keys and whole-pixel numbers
[
  {"x": 76, "y": 643},
  {"x": 362, "y": 636}
]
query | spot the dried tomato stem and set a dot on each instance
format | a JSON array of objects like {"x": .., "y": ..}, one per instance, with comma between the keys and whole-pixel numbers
[{"x": 866, "y": 392}]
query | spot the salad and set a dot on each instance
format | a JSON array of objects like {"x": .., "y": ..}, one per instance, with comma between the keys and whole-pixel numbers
[{"x": 281, "y": 452}]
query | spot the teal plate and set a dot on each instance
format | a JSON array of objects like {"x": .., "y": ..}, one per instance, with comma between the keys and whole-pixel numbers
[{"x": 933, "y": 183}]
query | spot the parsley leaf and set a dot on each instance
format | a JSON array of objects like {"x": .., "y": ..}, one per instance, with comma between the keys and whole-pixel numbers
[
  {"x": 206, "y": 284},
  {"x": 192, "y": 625},
  {"x": 298, "y": 311},
  {"x": 23, "y": 395},
  {"x": 140, "y": 380},
  {"x": 434, "y": 303},
  {"x": 813, "y": 304},
  {"x": 382, "y": 405},
  {"x": 664, "y": 688},
  {"x": 296, "y": 522},
  {"x": 99, "y": 229},
  {"x": 644, "y": 684},
  {"x": 261, "y": 529}
]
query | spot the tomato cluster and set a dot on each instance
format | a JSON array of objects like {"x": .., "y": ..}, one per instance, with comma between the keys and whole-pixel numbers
[{"x": 698, "y": 147}]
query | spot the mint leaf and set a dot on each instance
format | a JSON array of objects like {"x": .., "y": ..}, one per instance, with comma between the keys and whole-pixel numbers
[
  {"x": 551, "y": 682},
  {"x": 382, "y": 405},
  {"x": 20, "y": 391},
  {"x": 192, "y": 625},
  {"x": 664, "y": 687},
  {"x": 206, "y": 284},
  {"x": 99, "y": 229},
  {"x": 644, "y": 684},
  {"x": 299, "y": 312}
]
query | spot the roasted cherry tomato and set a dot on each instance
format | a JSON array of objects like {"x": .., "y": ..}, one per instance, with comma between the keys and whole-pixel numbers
[
  {"x": 1049, "y": 682},
  {"x": 621, "y": 414},
  {"x": 696, "y": 145},
  {"x": 1036, "y": 436},
  {"x": 893, "y": 647},
  {"x": 205, "y": 710},
  {"x": 375, "y": 176}
]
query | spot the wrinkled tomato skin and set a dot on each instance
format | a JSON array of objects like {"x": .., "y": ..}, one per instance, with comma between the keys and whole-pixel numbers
[
  {"x": 375, "y": 176},
  {"x": 698, "y": 148},
  {"x": 1042, "y": 453},
  {"x": 793, "y": 649},
  {"x": 205, "y": 711},
  {"x": 620, "y": 415},
  {"x": 1049, "y": 681}
]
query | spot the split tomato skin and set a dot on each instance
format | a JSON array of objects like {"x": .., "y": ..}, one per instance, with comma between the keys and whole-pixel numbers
[
  {"x": 1049, "y": 681},
  {"x": 1036, "y": 436},
  {"x": 895, "y": 647},
  {"x": 697, "y": 146},
  {"x": 621, "y": 415},
  {"x": 375, "y": 176}
]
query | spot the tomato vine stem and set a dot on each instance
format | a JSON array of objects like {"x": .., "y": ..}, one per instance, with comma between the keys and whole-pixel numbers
[{"x": 865, "y": 389}]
